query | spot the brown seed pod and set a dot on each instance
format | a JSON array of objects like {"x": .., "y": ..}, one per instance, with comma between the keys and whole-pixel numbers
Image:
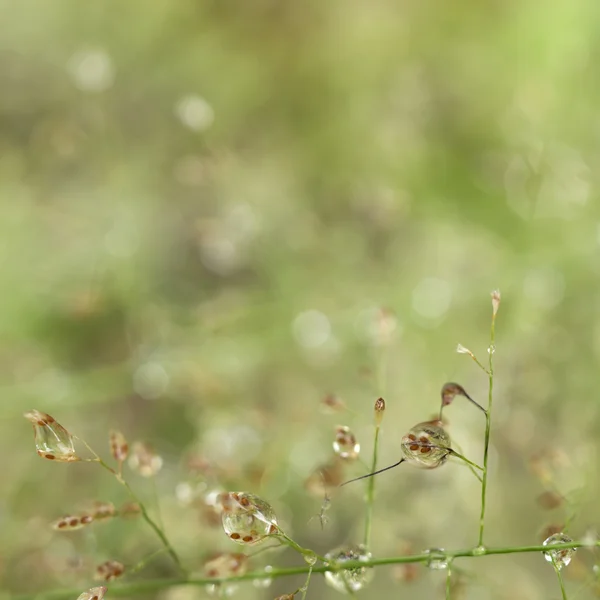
[
  {"x": 109, "y": 570},
  {"x": 95, "y": 593},
  {"x": 72, "y": 522},
  {"x": 119, "y": 448},
  {"x": 549, "y": 500}
]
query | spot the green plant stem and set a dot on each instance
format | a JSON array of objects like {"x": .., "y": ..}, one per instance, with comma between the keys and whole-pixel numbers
[
  {"x": 141, "y": 587},
  {"x": 298, "y": 548},
  {"x": 304, "y": 588},
  {"x": 488, "y": 424},
  {"x": 371, "y": 492},
  {"x": 159, "y": 532},
  {"x": 560, "y": 581},
  {"x": 448, "y": 581}
]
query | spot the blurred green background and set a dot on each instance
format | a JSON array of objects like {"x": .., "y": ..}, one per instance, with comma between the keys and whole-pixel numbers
[{"x": 203, "y": 206}]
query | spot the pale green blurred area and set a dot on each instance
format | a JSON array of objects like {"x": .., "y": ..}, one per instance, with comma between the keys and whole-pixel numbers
[{"x": 202, "y": 206}]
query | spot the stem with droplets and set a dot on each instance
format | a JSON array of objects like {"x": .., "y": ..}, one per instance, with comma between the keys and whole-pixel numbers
[{"x": 138, "y": 587}]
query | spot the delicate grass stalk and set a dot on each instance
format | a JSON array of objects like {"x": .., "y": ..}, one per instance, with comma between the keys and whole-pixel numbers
[
  {"x": 560, "y": 580},
  {"x": 159, "y": 532},
  {"x": 286, "y": 539},
  {"x": 142, "y": 563},
  {"x": 448, "y": 582},
  {"x": 466, "y": 460},
  {"x": 488, "y": 423},
  {"x": 371, "y": 492},
  {"x": 304, "y": 588},
  {"x": 157, "y": 503},
  {"x": 381, "y": 369}
]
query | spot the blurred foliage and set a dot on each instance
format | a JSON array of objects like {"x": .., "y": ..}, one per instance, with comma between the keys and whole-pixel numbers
[{"x": 203, "y": 203}]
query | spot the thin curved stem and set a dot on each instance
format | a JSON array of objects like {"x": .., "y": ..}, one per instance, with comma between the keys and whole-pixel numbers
[
  {"x": 159, "y": 532},
  {"x": 371, "y": 492},
  {"x": 488, "y": 425},
  {"x": 560, "y": 580}
]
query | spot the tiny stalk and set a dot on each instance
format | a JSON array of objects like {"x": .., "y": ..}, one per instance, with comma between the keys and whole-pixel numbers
[
  {"x": 488, "y": 413},
  {"x": 379, "y": 410},
  {"x": 119, "y": 477}
]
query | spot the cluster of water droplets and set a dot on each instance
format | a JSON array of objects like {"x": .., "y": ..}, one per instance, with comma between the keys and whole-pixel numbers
[
  {"x": 437, "y": 559},
  {"x": 348, "y": 581}
]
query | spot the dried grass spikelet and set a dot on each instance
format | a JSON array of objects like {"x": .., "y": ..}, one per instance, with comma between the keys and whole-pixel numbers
[
  {"x": 549, "y": 500},
  {"x": 144, "y": 460},
  {"x": 325, "y": 478},
  {"x": 72, "y": 522},
  {"x": 408, "y": 572},
  {"x": 95, "y": 593},
  {"x": 550, "y": 530},
  {"x": 130, "y": 510},
  {"x": 101, "y": 511},
  {"x": 332, "y": 403},
  {"x": 379, "y": 410},
  {"x": 225, "y": 564},
  {"x": 119, "y": 448},
  {"x": 109, "y": 570},
  {"x": 52, "y": 440}
]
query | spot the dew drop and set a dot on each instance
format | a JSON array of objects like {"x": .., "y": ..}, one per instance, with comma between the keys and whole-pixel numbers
[
  {"x": 310, "y": 559},
  {"x": 426, "y": 444},
  {"x": 560, "y": 557},
  {"x": 436, "y": 559},
  {"x": 349, "y": 580},
  {"x": 479, "y": 550},
  {"x": 345, "y": 444},
  {"x": 246, "y": 518},
  {"x": 262, "y": 583},
  {"x": 52, "y": 440},
  {"x": 491, "y": 349}
]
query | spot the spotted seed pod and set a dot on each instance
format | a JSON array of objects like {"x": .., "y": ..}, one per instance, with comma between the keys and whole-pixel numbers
[
  {"x": 95, "y": 593},
  {"x": 119, "y": 448},
  {"x": 325, "y": 478},
  {"x": 72, "y": 522},
  {"x": 246, "y": 518},
  {"x": 130, "y": 510},
  {"x": 345, "y": 445},
  {"x": 550, "y": 499},
  {"x": 109, "y": 570},
  {"x": 144, "y": 460},
  {"x": 52, "y": 440},
  {"x": 332, "y": 403},
  {"x": 103, "y": 510},
  {"x": 427, "y": 444},
  {"x": 225, "y": 565}
]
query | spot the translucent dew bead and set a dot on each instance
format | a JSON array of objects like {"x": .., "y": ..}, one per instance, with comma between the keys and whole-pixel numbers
[{"x": 427, "y": 444}]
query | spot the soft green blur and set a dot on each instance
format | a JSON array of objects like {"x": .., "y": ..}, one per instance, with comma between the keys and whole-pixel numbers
[{"x": 203, "y": 206}]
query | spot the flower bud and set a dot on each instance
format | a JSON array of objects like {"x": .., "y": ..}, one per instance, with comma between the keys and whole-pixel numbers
[{"x": 379, "y": 410}]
